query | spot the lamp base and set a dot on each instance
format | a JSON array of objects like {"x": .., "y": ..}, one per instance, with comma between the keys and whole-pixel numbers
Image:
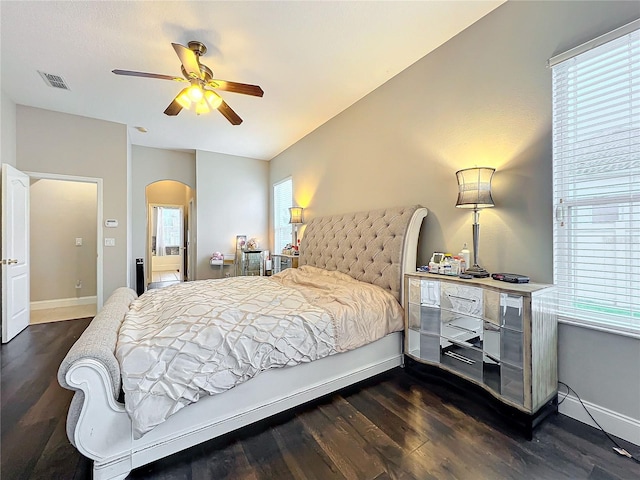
[{"x": 477, "y": 271}]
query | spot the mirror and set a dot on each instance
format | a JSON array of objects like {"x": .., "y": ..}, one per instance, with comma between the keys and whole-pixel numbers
[{"x": 166, "y": 227}]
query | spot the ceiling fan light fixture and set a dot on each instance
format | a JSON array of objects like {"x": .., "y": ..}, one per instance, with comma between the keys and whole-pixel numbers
[
  {"x": 202, "y": 107},
  {"x": 195, "y": 93},
  {"x": 200, "y": 78},
  {"x": 213, "y": 99},
  {"x": 183, "y": 98}
]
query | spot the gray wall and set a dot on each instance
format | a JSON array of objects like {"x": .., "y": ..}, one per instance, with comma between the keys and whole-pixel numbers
[
  {"x": 58, "y": 143},
  {"x": 232, "y": 197},
  {"x": 151, "y": 165},
  {"x": 62, "y": 211},
  {"x": 483, "y": 98},
  {"x": 7, "y": 130}
]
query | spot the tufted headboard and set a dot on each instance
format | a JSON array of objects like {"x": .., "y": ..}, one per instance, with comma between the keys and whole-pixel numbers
[{"x": 375, "y": 247}]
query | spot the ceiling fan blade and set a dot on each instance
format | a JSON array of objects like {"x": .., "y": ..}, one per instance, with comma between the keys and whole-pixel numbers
[
  {"x": 147, "y": 75},
  {"x": 174, "y": 107},
  {"x": 236, "y": 87},
  {"x": 189, "y": 59},
  {"x": 229, "y": 114}
]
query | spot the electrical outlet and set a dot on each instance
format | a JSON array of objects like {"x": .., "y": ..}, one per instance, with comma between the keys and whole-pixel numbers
[
  {"x": 109, "y": 242},
  {"x": 79, "y": 284},
  {"x": 78, "y": 241}
]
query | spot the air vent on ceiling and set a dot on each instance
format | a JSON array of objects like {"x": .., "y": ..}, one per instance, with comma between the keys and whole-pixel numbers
[{"x": 55, "y": 81}]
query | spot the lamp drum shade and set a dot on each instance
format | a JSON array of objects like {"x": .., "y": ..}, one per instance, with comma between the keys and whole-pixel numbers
[
  {"x": 474, "y": 187},
  {"x": 296, "y": 215}
]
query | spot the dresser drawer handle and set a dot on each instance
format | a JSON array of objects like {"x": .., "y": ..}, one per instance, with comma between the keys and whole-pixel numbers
[
  {"x": 463, "y": 298},
  {"x": 460, "y": 343},
  {"x": 461, "y": 358}
]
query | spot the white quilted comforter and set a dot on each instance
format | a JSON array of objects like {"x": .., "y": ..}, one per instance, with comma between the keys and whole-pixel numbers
[{"x": 205, "y": 337}]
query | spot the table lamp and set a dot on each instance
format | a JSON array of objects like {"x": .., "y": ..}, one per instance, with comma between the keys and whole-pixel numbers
[
  {"x": 296, "y": 217},
  {"x": 474, "y": 191}
]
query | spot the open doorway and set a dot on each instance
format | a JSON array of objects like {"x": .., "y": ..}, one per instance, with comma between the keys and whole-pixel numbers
[
  {"x": 168, "y": 232},
  {"x": 64, "y": 248}
]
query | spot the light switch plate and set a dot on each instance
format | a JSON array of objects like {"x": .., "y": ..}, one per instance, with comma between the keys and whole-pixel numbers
[
  {"x": 78, "y": 241},
  {"x": 109, "y": 242}
]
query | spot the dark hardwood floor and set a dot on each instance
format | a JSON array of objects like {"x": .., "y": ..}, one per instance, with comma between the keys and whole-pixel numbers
[{"x": 394, "y": 426}]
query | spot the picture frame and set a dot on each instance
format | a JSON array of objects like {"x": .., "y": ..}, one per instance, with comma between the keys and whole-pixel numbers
[{"x": 241, "y": 242}]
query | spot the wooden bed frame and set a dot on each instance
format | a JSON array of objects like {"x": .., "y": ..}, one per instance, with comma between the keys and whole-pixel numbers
[{"x": 377, "y": 247}]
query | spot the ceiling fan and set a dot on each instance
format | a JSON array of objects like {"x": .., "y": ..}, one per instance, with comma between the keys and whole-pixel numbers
[{"x": 200, "y": 93}]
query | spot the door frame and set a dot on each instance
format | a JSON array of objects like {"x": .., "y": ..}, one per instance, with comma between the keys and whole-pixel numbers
[
  {"x": 99, "y": 226},
  {"x": 191, "y": 238}
]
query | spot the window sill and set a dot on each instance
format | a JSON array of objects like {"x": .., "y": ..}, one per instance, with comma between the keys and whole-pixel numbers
[{"x": 632, "y": 333}]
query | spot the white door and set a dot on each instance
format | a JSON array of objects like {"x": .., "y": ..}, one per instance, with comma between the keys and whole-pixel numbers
[{"x": 15, "y": 252}]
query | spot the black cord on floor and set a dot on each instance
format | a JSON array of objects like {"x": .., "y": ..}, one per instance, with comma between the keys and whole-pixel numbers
[{"x": 618, "y": 449}]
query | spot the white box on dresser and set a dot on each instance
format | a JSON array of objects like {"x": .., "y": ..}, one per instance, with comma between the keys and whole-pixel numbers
[{"x": 500, "y": 336}]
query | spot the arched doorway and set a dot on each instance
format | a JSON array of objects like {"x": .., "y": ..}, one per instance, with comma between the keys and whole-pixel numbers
[{"x": 169, "y": 231}]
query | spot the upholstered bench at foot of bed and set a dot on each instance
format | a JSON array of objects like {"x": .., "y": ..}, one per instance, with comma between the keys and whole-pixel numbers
[{"x": 97, "y": 343}]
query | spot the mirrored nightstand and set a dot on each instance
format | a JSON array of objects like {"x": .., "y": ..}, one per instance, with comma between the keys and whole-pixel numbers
[{"x": 281, "y": 262}]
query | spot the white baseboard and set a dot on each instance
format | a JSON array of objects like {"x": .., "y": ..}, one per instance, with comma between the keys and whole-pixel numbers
[
  {"x": 63, "y": 302},
  {"x": 614, "y": 423}
]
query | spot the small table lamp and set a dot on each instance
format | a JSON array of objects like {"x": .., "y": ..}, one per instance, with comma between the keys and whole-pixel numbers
[
  {"x": 474, "y": 191},
  {"x": 296, "y": 217}
]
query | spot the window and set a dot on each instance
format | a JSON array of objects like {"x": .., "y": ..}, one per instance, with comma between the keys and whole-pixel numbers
[
  {"x": 596, "y": 182},
  {"x": 282, "y": 200},
  {"x": 167, "y": 228}
]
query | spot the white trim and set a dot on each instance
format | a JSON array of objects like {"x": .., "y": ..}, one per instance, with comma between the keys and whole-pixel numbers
[
  {"x": 99, "y": 253},
  {"x": 596, "y": 42},
  {"x": 614, "y": 423},
  {"x": 283, "y": 180},
  {"x": 131, "y": 280},
  {"x": 63, "y": 302}
]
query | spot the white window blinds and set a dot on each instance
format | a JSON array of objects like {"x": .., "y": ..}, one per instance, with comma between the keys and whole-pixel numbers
[
  {"x": 596, "y": 184},
  {"x": 282, "y": 200}
]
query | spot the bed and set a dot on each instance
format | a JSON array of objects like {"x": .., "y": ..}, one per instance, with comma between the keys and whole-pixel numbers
[{"x": 374, "y": 247}]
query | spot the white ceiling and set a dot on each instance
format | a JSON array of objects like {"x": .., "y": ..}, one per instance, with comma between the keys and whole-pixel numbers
[{"x": 312, "y": 59}]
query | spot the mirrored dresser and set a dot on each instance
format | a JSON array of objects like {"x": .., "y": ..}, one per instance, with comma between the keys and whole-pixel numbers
[
  {"x": 499, "y": 336},
  {"x": 249, "y": 263}
]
